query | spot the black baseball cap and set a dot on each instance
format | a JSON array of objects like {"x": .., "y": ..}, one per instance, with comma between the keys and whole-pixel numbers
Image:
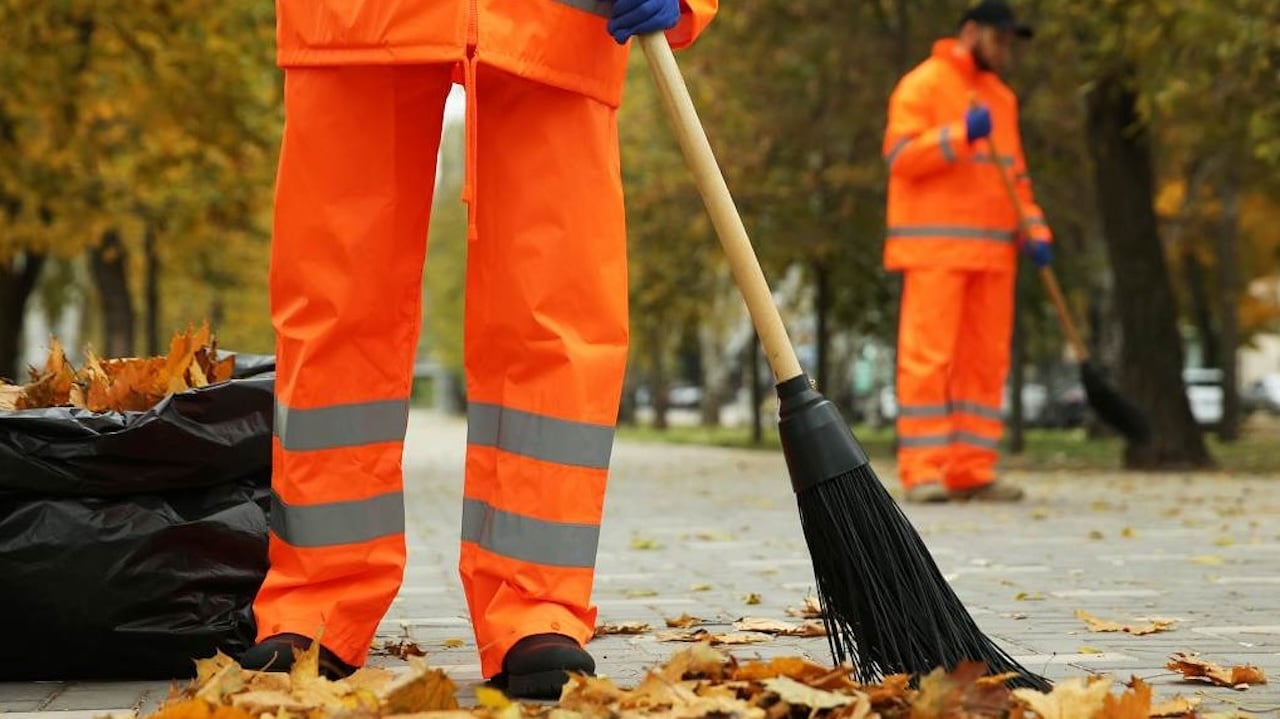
[{"x": 997, "y": 14}]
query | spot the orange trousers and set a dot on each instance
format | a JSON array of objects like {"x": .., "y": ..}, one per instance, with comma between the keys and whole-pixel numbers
[
  {"x": 953, "y": 356},
  {"x": 545, "y": 348}
]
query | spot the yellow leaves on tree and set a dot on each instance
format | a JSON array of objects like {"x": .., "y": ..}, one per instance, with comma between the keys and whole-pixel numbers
[{"x": 122, "y": 384}]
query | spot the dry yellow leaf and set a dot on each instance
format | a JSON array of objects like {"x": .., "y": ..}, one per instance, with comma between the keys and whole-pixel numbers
[
  {"x": 1134, "y": 703},
  {"x": 453, "y": 643},
  {"x": 1193, "y": 667},
  {"x": 422, "y": 689},
  {"x": 773, "y": 626},
  {"x": 621, "y": 628},
  {"x": 684, "y": 621},
  {"x": 795, "y": 693},
  {"x": 1071, "y": 698},
  {"x": 1102, "y": 625},
  {"x": 644, "y": 543},
  {"x": 698, "y": 661},
  {"x": 812, "y": 609},
  {"x": 1175, "y": 707},
  {"x": 752, "y": 598}
]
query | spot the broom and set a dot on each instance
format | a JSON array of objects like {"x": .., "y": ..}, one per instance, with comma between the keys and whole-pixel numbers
[
  {"x": 886, "y": 607},
  {"x": 1107, "y": 402}
]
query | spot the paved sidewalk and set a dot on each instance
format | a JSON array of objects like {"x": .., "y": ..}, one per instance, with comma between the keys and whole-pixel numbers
[{"x": 700, "y": 530}]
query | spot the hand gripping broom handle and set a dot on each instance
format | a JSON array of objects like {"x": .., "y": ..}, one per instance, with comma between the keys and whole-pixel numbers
[
  {"x": 1046, "y": 274},
  {"x": 724, "y": 215}
]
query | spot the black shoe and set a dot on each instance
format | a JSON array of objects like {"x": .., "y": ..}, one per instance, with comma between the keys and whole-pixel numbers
[
  {"x": 538, "y": 666},
  {"x": 275, "y": 654}
]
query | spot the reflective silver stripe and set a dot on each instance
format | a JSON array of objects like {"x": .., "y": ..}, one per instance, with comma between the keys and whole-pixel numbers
[
  {"x": 951, "y": 232},
  {"x": 941, "y": 440},
  {"x": 555, "y": 544},
  {"x": 975, "y": 440},
  {"x": 893, "y": 154},
  {"x": 925, "y": 440},
  {"x": 985, "y": 157},
  {"x": 547, "y": 438},
  {"x": 980, "y": 410},
  {"x": 332, "y": 523},
  {"x": 344, "y": 425},
  {"x": 603, "y": 8},
  {"x": 924, "y": 410},
  {"x": 944, "y": 142}
]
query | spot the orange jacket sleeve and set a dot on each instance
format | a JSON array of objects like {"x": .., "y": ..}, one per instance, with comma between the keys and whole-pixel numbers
[
  {"x": 915, "y": 143},
  {"x": 695, "y": 15}
]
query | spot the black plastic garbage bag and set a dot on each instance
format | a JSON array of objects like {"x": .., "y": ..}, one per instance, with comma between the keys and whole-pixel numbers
[{"x": 133, "y": 543}]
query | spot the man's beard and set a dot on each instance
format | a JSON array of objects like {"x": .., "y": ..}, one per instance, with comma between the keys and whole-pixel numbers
[{"x": 980, "y": 60}]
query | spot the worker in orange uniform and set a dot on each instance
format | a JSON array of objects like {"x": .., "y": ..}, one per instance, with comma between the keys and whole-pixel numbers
[
  {"x": 953, "y": 232},
  {"x": 546, "y": 322}
]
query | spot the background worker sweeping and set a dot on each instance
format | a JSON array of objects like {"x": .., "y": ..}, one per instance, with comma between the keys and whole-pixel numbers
[
  {"x": 954, "y": 234},
  {"x": 546, "y": 313}
]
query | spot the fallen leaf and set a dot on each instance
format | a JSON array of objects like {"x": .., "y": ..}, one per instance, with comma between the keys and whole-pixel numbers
[
  {"x": 700, "y": 588},
  {"x": 812, "y": 609},
  {"x": 422, "y": 689},
  {"x": 1102, "y": 625},
  {"x": 402, "y": 649},
  {"x": 1095, "y": 534},
  {"x": 795, "y": 693},
  {"x": 644, "y": 543},
  {"x": 702, "y": 635},
  {"x": 1133, "y": 703},
  {"x": 1211, "y": 560},
  {"x": 1128, "y": 532},
  {"x": 683, "y": 621},
  {"x": 1086, "y": 649},
  {"x": 942, "y": 693},
  {"x": 752, "y": 598},
  {"x": 1175, "y": 707},
  {"x": 1193, "y": 667},
  {"x": 637, "y": 593},
  {"x": 796, "y": 668},
  {"x": 773, "y": 626},
  {"x": 1071, "y": 698},
  {"x": 1028, "y": 596},
  {"x": 622, "y": 628},
  {"x": 453, "y": 643},
  {"x": 696, "y": 662}
]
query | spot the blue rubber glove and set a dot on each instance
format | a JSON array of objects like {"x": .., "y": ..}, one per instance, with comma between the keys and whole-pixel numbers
[
  {"x": 977, "y": 123},
  {"x": 637, "y": 17},
  {"x": 1040, "y": 252}
]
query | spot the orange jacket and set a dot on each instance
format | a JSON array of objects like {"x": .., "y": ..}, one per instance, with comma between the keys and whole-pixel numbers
[
  {"x": 947, "y": 204},
  {"x": 560, "y": 42}
]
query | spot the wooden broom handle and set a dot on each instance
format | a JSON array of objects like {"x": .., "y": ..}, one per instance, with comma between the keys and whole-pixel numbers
[
  {"x": 1046, "y": 274},
  {"x": 724, "y": 215}
]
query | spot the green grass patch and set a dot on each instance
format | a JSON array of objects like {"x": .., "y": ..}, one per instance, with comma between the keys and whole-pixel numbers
[{"x": 1048, "y": 450}]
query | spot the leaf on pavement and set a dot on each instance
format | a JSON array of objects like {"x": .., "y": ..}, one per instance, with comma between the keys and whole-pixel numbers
[
  {"x": 1175, "y": 707},
  {"x": 684, "y": 621},
  {"x": 1134, "y": 703},
  {"x": 1193, "y": 667},
  {"x": 621, "y": 628},
  {"x": 702, "y": 635},
  {"x": 1102, "y": 625},
  {"x": 812, "y": 609},
  {"x": 422, "y": 689},
  {"x": 797, "y": 694},
  {"x": 696, "y": 662},
  {"x": 1071, "y": 698},
  {"x": 942, "y": 693},
  {"x": 773, "y": 626}
]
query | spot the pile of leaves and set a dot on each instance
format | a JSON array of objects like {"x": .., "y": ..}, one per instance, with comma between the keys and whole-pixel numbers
[
  {"x": 699, "y": 681},
  {"x": 120, "y": 384}
]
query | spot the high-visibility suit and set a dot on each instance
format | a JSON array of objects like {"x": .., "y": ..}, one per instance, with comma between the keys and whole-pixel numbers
[
  {"x": 953, "y": 231},
  {"x": 546, "y": 304}
]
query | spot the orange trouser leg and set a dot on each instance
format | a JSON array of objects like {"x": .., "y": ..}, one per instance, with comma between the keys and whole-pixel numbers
[
  {"x": 929, "y": 328},
  {"x": 546, "y": 348},
  {"x": 978, "y": 377},
  {"x": 353, "y": 198}
]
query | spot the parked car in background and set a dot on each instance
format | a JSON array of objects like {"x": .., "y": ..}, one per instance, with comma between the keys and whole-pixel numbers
[
  {"x": 1204, "y": 393},
  {"x": 1262, "y": 395}
]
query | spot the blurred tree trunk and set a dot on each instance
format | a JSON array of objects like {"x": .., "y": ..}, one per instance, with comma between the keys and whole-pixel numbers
[
  {"x": 822, "y": 330},
  {"x": 18, "y": 279},
  {"x": 152, "y": 254},
  {"x": 108, "y": 262},
  {"x": 1228, "y": 236},
  {"x": 1152, "y": 353},
  {"x": 1018, "y": 362},
  {"x": 1201, "y": 307},
  {"x": 715, "y": 371},
  {"x": 659, "y": 382}
]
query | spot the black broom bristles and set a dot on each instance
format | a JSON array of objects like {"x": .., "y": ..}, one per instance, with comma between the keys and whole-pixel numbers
[
  {"x": 886, "y": 606},
  {"x": 1111, "y": 407}
]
